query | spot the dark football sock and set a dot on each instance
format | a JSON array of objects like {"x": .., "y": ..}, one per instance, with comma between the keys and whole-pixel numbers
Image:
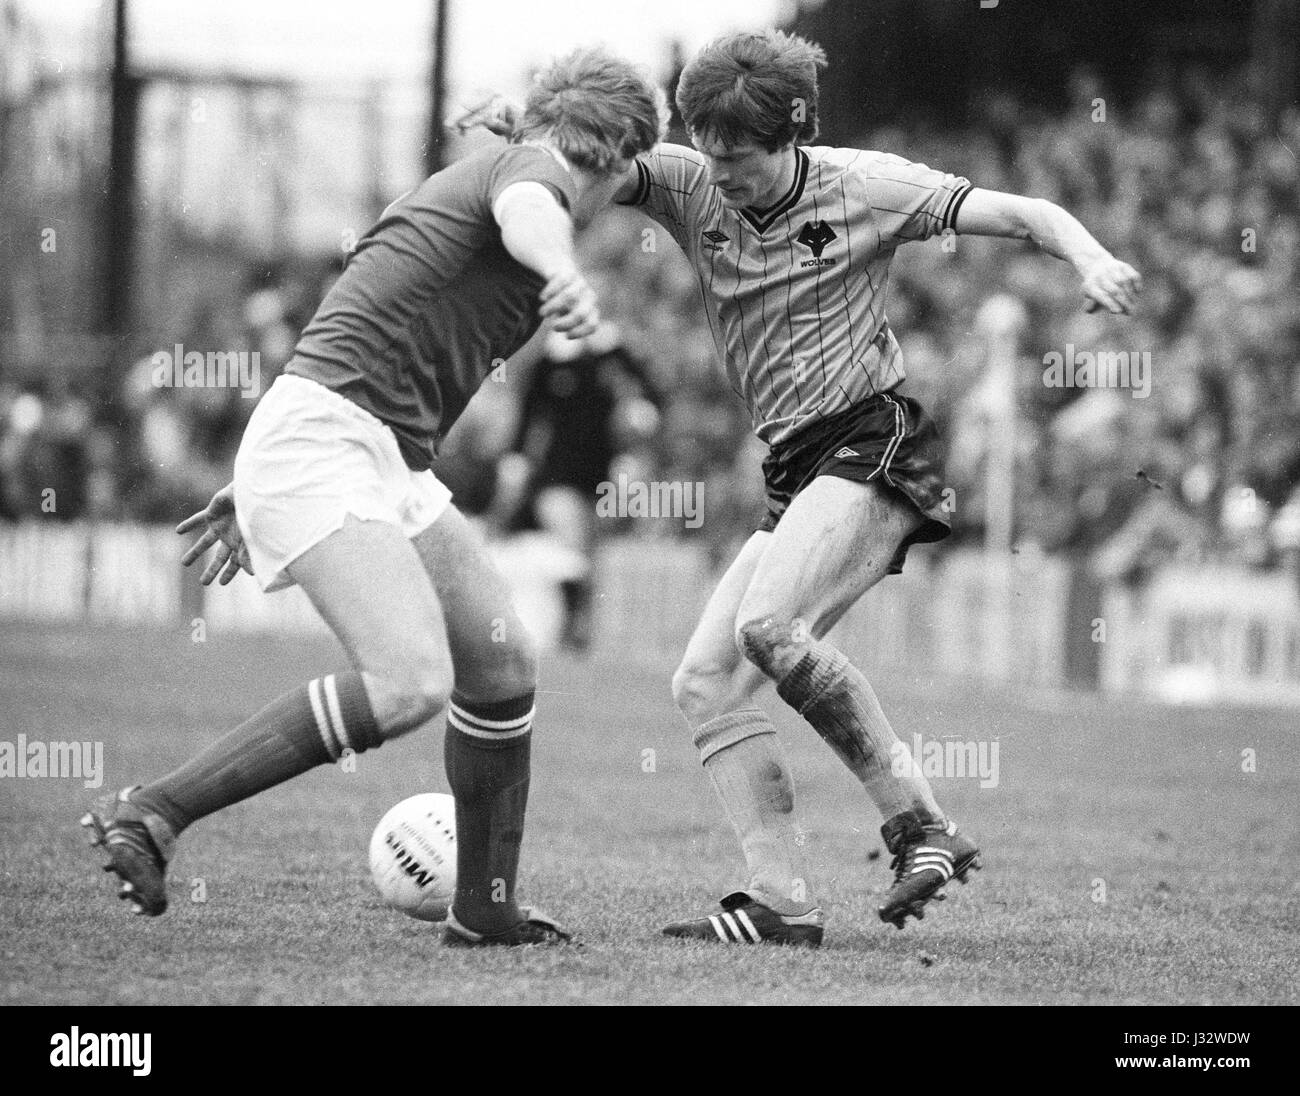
[
  {"x": 487, "y": 757},
  {"x": 832, "y": 694},
  {"x": 310, "y": 726}
]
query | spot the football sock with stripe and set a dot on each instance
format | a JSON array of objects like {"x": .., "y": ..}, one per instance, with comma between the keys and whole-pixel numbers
[
  {"x": 310, "y": 726},
  {"x": 487, "y": 750},
  {"x": 832, "y": 694},
  {"x": 742, "y": 755}
]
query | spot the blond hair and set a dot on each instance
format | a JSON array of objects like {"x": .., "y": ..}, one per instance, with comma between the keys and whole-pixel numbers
[{"x": 596, "y": 109}]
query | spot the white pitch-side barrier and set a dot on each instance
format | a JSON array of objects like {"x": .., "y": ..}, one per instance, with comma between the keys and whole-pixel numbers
[
  {"x": 1205, "y": 635},
  {"x": 1186, "y": 636}
]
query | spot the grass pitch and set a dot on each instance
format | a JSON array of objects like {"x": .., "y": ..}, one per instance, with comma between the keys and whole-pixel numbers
[{"x": 1128, "y": 856}]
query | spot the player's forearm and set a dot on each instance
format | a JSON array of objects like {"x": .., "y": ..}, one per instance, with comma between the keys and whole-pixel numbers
[
  {"x": 540, "y": 237},
  {"x": 1107, "y": 282},
  {"x": 1059, "y": 233}
]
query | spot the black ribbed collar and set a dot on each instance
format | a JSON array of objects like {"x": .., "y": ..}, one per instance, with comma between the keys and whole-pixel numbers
[{"x": 762, "y": 219}]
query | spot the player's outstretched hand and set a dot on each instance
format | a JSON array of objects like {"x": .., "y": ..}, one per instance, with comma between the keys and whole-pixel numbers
[
  {"x": 569, "y": 303},
  {"x": 217, "y": 520},
  {"x": 1111, "y": 284}
]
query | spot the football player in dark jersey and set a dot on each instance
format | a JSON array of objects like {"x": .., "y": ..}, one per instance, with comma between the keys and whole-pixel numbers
[{"x": 333, "y": 491}]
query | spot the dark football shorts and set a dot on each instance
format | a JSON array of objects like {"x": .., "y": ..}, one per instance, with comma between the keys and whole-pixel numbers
[{"x": 887, "y": 439}]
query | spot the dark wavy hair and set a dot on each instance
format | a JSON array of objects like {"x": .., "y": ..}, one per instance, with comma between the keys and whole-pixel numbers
[
  {"x": 596, "y": 108},
  {"x": 759, "y": 87}
]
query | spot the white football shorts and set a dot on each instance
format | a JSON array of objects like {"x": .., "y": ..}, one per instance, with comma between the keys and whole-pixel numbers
[{"x": 308, "y": 459}]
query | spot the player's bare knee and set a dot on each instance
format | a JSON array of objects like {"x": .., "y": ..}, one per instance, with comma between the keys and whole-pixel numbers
[
  {"x": 686, "y": 689},
  {"x": 516, "y": 673},
  {"x": 414, "y": 697},
  {"x": 429, "y": 695},
  {"x": 773, "y": 644},
  {"x": 700, "y": 693},
  {"x": 502, "y": 671}
]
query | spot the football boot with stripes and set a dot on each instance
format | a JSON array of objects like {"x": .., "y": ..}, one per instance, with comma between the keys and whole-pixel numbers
[
  {"x": 926, "y": 857},
  {"x": 744, "y": 920},
  {"x": 535, "y": 928},
  {"x": 138, "y": 844}
]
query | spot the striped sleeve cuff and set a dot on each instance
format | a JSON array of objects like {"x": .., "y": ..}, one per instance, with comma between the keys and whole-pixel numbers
[{"x": 949, "y": 219}]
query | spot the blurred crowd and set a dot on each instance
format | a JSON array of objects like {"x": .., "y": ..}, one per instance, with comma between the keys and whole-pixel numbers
[
  {"x": 1191, "y": 183},
  {"x": 1200, "y": 191},
  {"x": 146, "y": 450}
]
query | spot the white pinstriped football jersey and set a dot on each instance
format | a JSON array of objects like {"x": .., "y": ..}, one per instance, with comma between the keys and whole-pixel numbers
[{"x": 795, "y": 294}]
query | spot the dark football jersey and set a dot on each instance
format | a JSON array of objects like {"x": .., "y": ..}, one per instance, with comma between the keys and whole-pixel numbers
[{"x": 430, "y": 300}]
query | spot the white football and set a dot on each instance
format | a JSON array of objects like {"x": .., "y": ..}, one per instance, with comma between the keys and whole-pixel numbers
[{"x": 413, "y": 856}]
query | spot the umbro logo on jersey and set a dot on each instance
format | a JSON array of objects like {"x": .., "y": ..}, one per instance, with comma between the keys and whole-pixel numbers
[
  {"x": 715, "y": 239},
  {"x": 815, "y": 235},
  {"x": 847, "y": 452}
]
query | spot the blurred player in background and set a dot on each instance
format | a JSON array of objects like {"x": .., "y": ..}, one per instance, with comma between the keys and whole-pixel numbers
[
  {"x": 792, "y": 244},
  {"x": 332, "y": 491},
  {"x": 585, "y": 402}
]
